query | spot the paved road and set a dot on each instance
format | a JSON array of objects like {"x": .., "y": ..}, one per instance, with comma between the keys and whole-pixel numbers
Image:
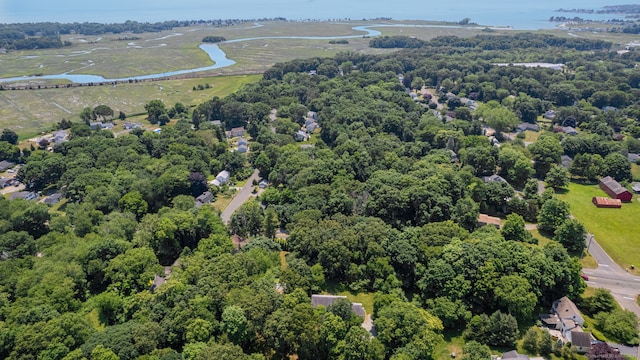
[
  {"x": 623, "y": 286},
  {"x": 240, "y": 198}
]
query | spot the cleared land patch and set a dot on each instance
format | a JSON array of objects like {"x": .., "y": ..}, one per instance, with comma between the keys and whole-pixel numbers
[
  {"x": 28, "y": 111},
  {"x": 616, "y": 230}
]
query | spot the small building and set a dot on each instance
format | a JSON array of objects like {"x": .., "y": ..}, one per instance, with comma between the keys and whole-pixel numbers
[
  {"x": 569, "y": 130},
  {"x": 312, "y": 127},
  {"x": 216, "y": 123},
  {"x": 223, "y": 177},
  {"x": 484, "y": 219},
  {"x": 615, "y": 190},
  {"x": 514, "y": 355},
  {"x": 59, "y": 137},
  {"x": 566, "y": 161},
  {"x": 4, "y": 165},
  {"x": 242, "y": 148},
  {"x": 492, "y": 178},
  {"x": 312, "y": 115},
  {"x": 263, "y": 184},
  {"x": 581, "y": 340},
  {"x": 204, "y": 198},
  {"x": 603, "y": 202},
  {"x": 242, "y": 141},
  {"x": 549, "y": 114},
  {"x": 235, "y": 132},
  {"x": 328, "y": 300},
  {"x": 527, "y": 127},
  {"x": 633, "y": 157},
  {"x": 636, "y": 187}
]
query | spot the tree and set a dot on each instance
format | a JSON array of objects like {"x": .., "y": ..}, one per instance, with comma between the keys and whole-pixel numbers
[
  {"x": 234, "y": 324},
  {"x": 466, "y": 213},
  {"x": 9, "y": 136},
  {"x": 134, "y": 203},
  {"x": 545, "y": 345},
  {"x": 359, "y": 345},
  {"x": 514, "y": 293},
  {"x": 602, "y": 351},
  {"x": 552, "y": 214},
  {"x": 481, "y": 159},
  {"x": 617, "y": 166},
  {"x": 601, "y": 301},
  {"x": 546, "y": 151},
  {"x": 133, "y": 271},
  {"x": 619, "y": 325},
  {"x": 571, "y": 234},
  {"x": 474, "y": 350},
  {"x": 499, "y": 118},
  {"x": 557, "y": 177},
  {"x": 103, "y": 111},
  {"x": 530, "y": 341},
  {"x": 155, "y": 108},
  {"x": 247, "y": 220},
  {"x": 514, "y": 229}
]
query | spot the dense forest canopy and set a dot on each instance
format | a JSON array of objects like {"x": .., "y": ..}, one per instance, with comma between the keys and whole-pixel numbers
[{"x": 384, "y": 201}]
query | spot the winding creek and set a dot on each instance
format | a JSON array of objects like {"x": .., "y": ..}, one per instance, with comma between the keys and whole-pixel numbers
[{"x": 216, "y": 54}]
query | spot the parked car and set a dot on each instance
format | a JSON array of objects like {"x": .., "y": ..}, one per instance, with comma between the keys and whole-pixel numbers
[{"x": 585, "y": 277}]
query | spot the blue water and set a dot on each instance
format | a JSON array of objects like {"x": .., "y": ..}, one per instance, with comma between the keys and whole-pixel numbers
[{"x": 526, "y": 15}]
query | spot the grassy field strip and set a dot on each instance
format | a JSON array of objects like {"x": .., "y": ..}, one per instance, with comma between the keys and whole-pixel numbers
[
  {"x": 29, "y": 111},
  {"x": 616, "y": 230}
]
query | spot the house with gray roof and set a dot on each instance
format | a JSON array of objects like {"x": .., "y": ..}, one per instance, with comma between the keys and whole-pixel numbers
[
  {"x": 514, "y": 355},
  {"x": 4, "y": 165},
  {"x": 527, "y": 127},
  {"x": 204, "y": 198},
  {"x": 569, "y": 316},
  {"x": 328, "y": 300},
  {"x": 492, "y": 178},
  {"x": 581, "y": 340}
]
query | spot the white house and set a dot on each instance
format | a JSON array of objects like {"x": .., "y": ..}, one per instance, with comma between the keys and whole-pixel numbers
[{"x": 223, "y": 177}]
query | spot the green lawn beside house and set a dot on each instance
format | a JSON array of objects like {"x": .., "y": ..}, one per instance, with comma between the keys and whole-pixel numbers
[{"x": 616, "y": 230}]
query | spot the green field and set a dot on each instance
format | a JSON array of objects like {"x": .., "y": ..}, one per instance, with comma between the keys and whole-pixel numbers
[
  {"x": 616, "y": 230},
  {"x": 32, "y": 111}
]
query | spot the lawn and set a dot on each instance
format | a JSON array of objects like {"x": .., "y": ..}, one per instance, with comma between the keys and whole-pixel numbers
[
  {"x": 616, "y": 230},
  {"x": 32, "y": 111}
]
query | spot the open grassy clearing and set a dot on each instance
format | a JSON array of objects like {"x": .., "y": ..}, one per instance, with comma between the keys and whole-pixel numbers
[
  {"x": 32, "y": 111},
  {"x": 616, "y": 230}
]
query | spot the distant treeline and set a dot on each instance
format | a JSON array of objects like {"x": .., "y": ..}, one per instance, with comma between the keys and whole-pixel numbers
[
  {"x": 42, "y": 35},
  {"x": 213, "y": 39},
  {"x": 338, "y": 41},
  {"x": 398, "y": 41},
  {"x": 492, "y": 42}
]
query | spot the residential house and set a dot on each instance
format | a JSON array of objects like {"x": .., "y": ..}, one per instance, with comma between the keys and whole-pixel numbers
[
  {"x": 26, "y": 195},
  {"x": 513, "y": 354},
  {"x": 484, "y": 219},
  {"x": 223, "y": 177},
  {"x": 527, "y": 127},
  {"x": 53, "y": 198},
  {"x": 633, "y": 157},
  {"x": 100, "y": 125},
  {"x": 131, "y": 125},
  {"x": 59, "y": 137},
  {"x": 242, "y": 148},
  {"x": 216, "y": 123},
  {"x": 4, "y": 165},
  {"x": 636, "y": 187},
  {"x": 242, "y": 141},
  {"x": 328, "y": 300},
  {"x": 569, "y": 316},
  {"x": 615, "y": 190},
  {"x": 603, "y": 202},
  {"x": 238, "y": 131},
  {"x": 581, "y": 340},
  {"x": 568, "y": 130},
  {"x": 301, "y": 135},
  {"x": 263, "y": 184},
  {"x": 204, "y": 198},
  {"x": 312, "y": 115},
  {"x": 492, "y": 178},
  {"x": 312, "y": 127}
]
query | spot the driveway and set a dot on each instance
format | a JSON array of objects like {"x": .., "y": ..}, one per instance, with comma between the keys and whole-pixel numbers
[{"x": 243, "y": 195}]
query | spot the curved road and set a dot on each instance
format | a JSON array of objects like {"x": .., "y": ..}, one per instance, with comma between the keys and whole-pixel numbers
[{"x": 608, "y": 275}]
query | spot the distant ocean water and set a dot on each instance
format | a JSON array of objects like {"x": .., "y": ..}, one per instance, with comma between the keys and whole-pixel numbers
[{"x": 517, "y": 14}]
